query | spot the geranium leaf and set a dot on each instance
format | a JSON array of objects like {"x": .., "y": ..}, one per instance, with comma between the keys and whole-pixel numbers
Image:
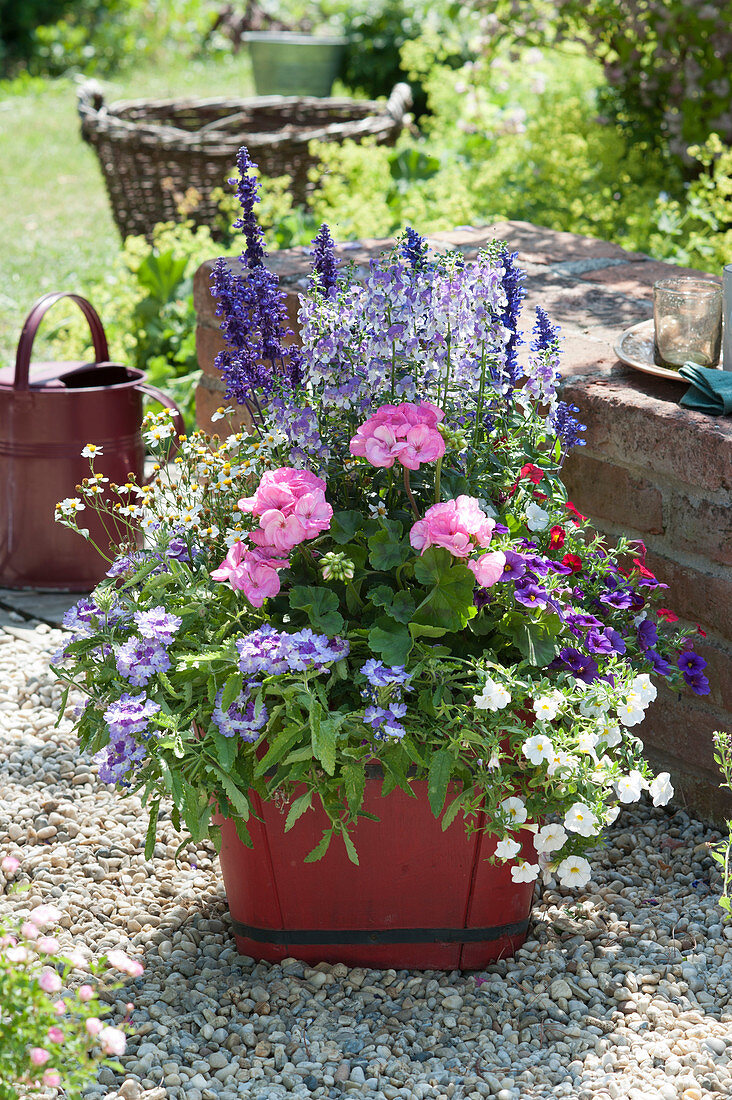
[
  {"x": 449, "y": 603},
  {"x": 344, "y": 526},
  {"x": 391, "y": 641},
  {"x": 320, "y": 605},
  {"x": 386, "y": 547}
]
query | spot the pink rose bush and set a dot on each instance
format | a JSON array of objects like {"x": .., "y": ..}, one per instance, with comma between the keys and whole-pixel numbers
[
  {"x": 45, "y": 1040},
  {"x": 404, "y": 433}
]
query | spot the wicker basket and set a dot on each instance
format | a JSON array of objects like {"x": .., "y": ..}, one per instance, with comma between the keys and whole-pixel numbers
[{"x": 153, "y": 151}]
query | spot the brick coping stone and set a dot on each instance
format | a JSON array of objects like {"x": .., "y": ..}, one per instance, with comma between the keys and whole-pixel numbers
[{"x": 651, "y": 469}]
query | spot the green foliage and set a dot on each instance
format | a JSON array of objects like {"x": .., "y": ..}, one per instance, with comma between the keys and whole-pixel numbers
[{"x": 723, "y": 853}]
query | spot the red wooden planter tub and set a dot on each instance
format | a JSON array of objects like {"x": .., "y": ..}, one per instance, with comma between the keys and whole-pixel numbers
[{"x": 420, "y": 899}]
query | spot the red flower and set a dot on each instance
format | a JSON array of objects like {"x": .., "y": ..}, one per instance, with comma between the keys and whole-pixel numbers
[
  {"x": 556, "y": 537},
  {"x": 642, "y": 569},
  {"x": 540, "y": 496},
  {"x": 578, "y": 517},
  {"x": 574, "y": 562},
  {"x": 533, "y": 473},
  {"x": 700, "y": 631},
  {"x": 669, "y": 616}
]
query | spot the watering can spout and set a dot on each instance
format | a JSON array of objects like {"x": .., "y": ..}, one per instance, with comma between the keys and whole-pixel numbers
[{"x": 45, "y": 422}]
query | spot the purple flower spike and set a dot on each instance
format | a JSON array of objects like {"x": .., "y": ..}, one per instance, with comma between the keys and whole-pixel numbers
[
  {"x": 247, "y": 189},
  {"x": 325, "y": 264}
]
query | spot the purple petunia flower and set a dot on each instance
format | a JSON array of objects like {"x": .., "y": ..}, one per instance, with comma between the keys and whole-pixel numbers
[
  {"x": 619, "y": 598},
  {"x": 583, "y": 667},
  {"x": 157, "y": 624},
  {"x": 529, "y": 594},
  {"x": 691, "y": 663},
  {"x": 660, "y": 664},
  {"x": 240, "y": 719},
  {"x": 129, "y": 714},
  {"x": 604, "y": 641},
  {"x": 647, "y": 635},
  {"x": 698, "y": 683},
  {"x": 138, "y": 659},
  {"x": 515, "y": 566}
]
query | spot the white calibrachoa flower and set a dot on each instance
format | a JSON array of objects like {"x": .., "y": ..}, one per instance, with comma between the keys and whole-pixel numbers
[
  {"x": 609, "y": 732},
  {"x": 643, "y": 687},
  {"x": 611, "y": 815},
  {"x": 586, "y": 742},
  {"x": 561, "y": 760},
  {"x": 515, "y": 809},
  {"x": 508, "y": 848},
  {"x": 547, "y": 706},
  {"x": 536, "y": 518},
  {"x": 630, "y": 787},
  {"x": 538, "y": 749},
  {"x": 661, "y": 790},
  {"x": 493, "y": 696},
  {"x": 525, "y": 872},
  {"x": 580, "y": 819},
  {"x": 574, "y": 871},
  {"x": 550, "y": 838},
  {"x": 631, "y": 711},
  {"x": 91, "y": 451}
]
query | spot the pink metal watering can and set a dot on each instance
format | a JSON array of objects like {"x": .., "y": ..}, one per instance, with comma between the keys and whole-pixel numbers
[{"x": 44, "y": 425}]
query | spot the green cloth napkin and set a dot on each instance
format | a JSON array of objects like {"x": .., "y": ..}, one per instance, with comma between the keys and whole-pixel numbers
[{"x": 710, "y": 390}]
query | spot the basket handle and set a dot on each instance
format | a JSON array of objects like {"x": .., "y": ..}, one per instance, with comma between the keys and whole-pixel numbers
[
  {"x": 399, "y": 101},
  {"x": 32, "y": 323}
]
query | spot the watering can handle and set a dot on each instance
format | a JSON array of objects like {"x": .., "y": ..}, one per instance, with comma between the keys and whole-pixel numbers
[
  {"x": 158, "y": 395},
  {"x": 30, "y": 329}
]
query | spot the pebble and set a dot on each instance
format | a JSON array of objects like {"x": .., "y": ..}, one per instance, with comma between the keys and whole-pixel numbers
[{"x": 623, "y": 991}]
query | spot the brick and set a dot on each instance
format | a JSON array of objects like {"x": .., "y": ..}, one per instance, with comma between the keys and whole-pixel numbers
[
  {"x": 539, "y": 244},
  {"x": 718, "y": 656},
  {"x": 638, "y": 423},
  {"x": 695, "y": 790},
  {"x": 584, "y": 355},
  {"x": 699, "y": 596},
  {"x": 209, "y": 342},
  {"x": 637, "y": 279},
  {"x": 681, "y": 726},
  {"x": 601, "y": 489},
  {"x": 208, "y": 400},
  {"x": 700, "y": 526}
]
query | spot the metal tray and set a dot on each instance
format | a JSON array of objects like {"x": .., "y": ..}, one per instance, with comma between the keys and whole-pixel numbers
[{"x": 635, "y": 347}]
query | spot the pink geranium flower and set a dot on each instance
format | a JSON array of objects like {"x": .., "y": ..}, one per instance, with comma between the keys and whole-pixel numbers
[
  {"x": 405, "y": 433},
  {"x": 94, "y": 1026},
  {"x": 85, "y": 993},
  {"x": 282, "y": 531},
  {"x": 10, "y": 865},
  {"x": 314, "y": 512},
  {"x": 457, "y": 525},
  {"x": 281, "y": 489}
]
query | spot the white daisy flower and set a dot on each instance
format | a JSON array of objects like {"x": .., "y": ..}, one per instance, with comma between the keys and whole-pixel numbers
[{"x": 91, "y": 450}]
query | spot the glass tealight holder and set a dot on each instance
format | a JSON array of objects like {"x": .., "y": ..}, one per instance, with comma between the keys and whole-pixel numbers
[{"x": 687, "y": 315}]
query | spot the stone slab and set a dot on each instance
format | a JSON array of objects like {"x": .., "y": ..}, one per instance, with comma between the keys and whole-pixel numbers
[{"x": 33, "y": 605}]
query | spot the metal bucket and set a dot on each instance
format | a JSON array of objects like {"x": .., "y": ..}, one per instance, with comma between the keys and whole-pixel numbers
[
  {"x": 44, "y": 426},
  {"x": 294, "y": 64}
]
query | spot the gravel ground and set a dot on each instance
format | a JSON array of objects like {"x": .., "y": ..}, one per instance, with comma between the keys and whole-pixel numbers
[{"x": 622, "y": 991}]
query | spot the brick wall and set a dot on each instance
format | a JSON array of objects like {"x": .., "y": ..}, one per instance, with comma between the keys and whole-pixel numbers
[{"x": 650, "y": 469}]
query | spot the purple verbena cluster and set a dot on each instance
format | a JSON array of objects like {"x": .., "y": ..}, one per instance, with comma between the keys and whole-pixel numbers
[
  {"x": 139, "y": 659},
  {"x": 157, "y": 625},
  {"x": 241, "y": 718},
  {"x": 129, "y": 714},
  {"x": 383, "y": 691},
  {"x": 119, "y": 757},
  {"x": 271, "y": 652}
]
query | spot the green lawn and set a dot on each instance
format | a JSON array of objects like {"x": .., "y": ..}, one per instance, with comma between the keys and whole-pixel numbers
[{"x": 56, "y": 227}]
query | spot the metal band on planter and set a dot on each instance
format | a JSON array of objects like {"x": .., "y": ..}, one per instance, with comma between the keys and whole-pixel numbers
[{"x": 389, "y": 935}]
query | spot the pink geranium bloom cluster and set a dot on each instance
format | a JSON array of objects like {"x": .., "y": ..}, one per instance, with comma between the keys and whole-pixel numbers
[
  {"x": 460, "y": 526},
  {"x": 291, "y": 507},
  {"x": 406, "y": 433}
]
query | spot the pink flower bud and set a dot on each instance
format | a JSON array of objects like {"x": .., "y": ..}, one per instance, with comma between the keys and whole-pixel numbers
[
  {"x": 47, "y": 944},
  {"x": 77, "y": 960},
  {"x": 10, "y": 865},
  {"x": 55, "y": 1034},
  {"x": 52, "y": 1079},
  {"x": 50, "y": 982},
  {"x": 113, "y": 1040},
  {"x": 44, "y": 915},
  {"x": 85, "y": 993},
  {"x": 123, "y": 962},
  {"x": 16, "y": 954},
  {"x": 39, "y": 1056},
  {"x": 29, "y": 930},
  {"x": 59, "y": 1008},
  {"x": 94, "y": 1026}
]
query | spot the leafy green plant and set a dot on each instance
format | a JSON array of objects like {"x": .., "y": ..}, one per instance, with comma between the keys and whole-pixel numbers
[
  {"x": 51, "y": 1034},
  {"x": 723, "y": 854}
]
